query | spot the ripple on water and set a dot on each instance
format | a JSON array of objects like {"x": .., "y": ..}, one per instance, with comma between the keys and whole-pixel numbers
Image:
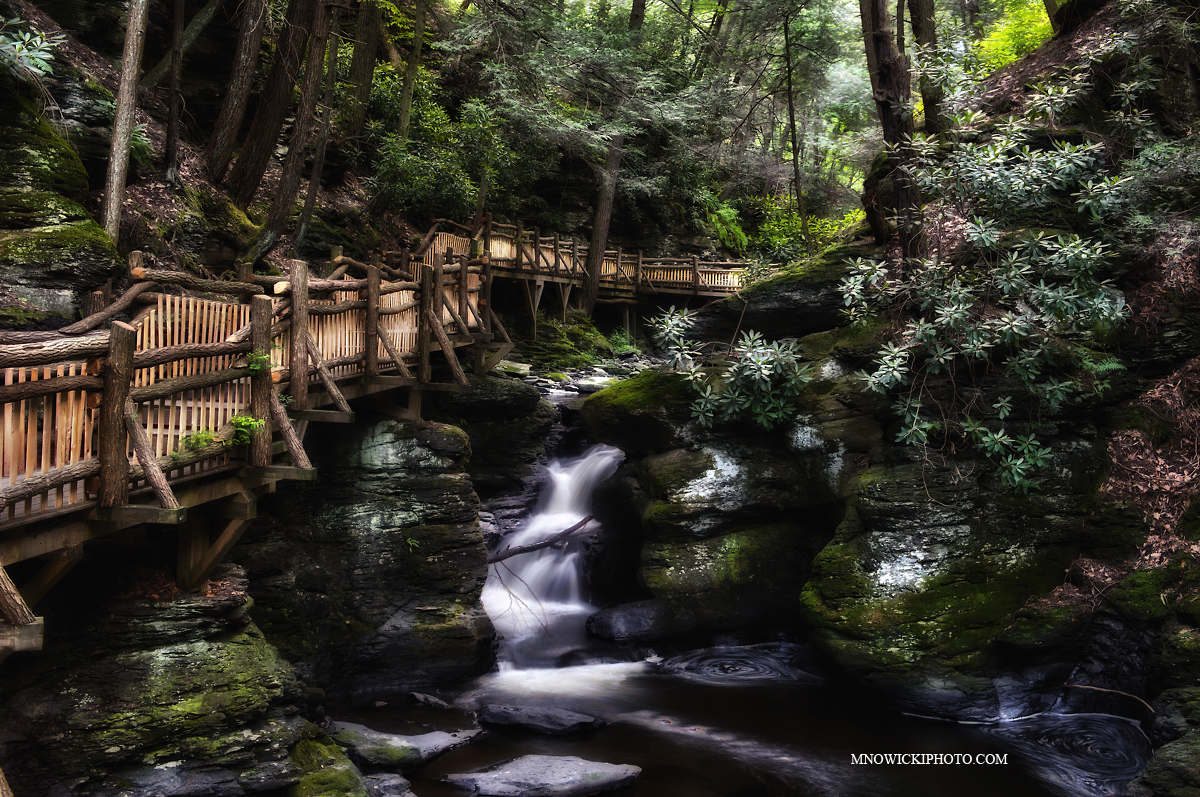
[
  {"x": 735, "y": 665},
  {"x": 1079, "y": 755}
]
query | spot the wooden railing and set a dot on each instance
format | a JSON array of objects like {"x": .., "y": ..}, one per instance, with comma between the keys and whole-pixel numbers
[
  {"x": 527, "y": 250},
  {"x": 188, "y": 369}
]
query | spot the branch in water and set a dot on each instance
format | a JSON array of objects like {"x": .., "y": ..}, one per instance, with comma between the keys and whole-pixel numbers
[{"x": 546, "y": 543}]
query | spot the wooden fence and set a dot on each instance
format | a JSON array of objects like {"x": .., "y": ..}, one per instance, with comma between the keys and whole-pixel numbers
[{"x": 192, "y": 364}]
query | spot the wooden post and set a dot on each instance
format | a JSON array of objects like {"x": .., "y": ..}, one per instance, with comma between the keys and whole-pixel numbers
[
  {"x": 299, "y": 341},
  {"x": 557, "y": 259},
  {"x": 639, "y": 267},
  {"x": 192, "y": 545},
  {"x": 335, "y": 393},
  {"x": 5, "y": 791},
  {"x": 245, "y": 271},
  {"x": 517, "y": 239},
  {"x": 93, "y": 303},
  {"x": 395, "y": 355},
  {"x": 424, "y": 333},
  {"x": 695, "y": 274},
  {"x": 448, "y": 350},
  {"x": 574, "y": 257},
  {"x": 537, "y": 249},
  {"x": 334, "y": 253},
  {"x": 485, "y": 298},
  {"x": 260, "y": 383},
  {"x": 12, "y": 605},
  {"x": 617, "y": 276},
  {"x": 145, "y": 456},
  {"x": 487, "y": 234},
  {"x": 462, "y": 296},
  {"x": 114, "y": 446},
  {"x": 372, "y": 328}
]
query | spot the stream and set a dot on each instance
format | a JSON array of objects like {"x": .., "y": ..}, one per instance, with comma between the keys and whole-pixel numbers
[{"x": 734, "y": 721}]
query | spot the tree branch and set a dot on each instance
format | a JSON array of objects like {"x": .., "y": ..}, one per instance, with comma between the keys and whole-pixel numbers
[{"x": 508, "y": 553}]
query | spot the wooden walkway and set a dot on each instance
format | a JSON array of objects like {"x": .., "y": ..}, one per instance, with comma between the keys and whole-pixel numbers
[{"x": 179, "y": 416}]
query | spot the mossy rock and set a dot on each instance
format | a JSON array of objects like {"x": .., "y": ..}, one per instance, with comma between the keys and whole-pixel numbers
[
  {"x": 640, "y": 415},
  {"x": 1144, "y": 596},
  {"x": 327, "y": 770},
  {"x": 1179, "y": 655},
  {"x": 1039, "y": 630},
  {"x": 768, "y": 558}
]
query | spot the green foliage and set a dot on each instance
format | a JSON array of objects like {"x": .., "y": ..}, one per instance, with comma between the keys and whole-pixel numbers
[
  {"x": 1016, "y": 311},
  {"x": 622, "y": 342},
  {"x": 755, "y": 380},
  {"x": 722, "y": 219},
  {"x": 1023, "y": 28},
  {"x": 194, "y": 442},
  {"x": 780, "y": 238},
  {"x": 258, "y": 361},
  {"x": 25, "y": 54},
  {"x": 244, "y": 428}
]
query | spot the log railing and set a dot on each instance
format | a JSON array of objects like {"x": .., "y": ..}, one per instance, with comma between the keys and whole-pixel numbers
[{"x": 187, "y": 367}]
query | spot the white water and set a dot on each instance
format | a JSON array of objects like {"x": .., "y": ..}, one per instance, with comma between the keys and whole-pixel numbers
[{"x": 535, "y": 600}]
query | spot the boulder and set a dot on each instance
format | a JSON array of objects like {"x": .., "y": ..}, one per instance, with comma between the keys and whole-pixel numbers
[
  {"x": 547, "y": 776},
  {"x": 388, "y": 751},
  {"x": 555, "y": 721}
]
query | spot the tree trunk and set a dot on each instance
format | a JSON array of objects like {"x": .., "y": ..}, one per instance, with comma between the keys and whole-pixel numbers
[
  {"x": 410, "y": 74},
  {"x": 637, "y": 15},
  {"x": 237, "y": 94},
  {"x": 791, "y": 98},
  {"x": 293, "y": 166},
  {"x": 890, "y": 84},
  {"x": 314, "y": 180},
  {"x": 274, "y": 101},
  {"x": 709, "y": 53},
  {"x": 1051, "y": 10},
  {"x": 362, "y": 63},
  {"x": 925, "y": 34},
  {"x": 604, "y": 206},
  {"x": 194, "y": 28},
  {"x": 122, "y": 129},
  {"x": 171, "y": 154}
]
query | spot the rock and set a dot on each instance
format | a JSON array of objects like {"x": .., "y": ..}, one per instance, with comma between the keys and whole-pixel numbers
[
  {"x": 141, "y": 685},
  {"x": 389, "y": 785},
  {"x": 554, "y": 721},
  {"x": 371, "y": 575},
  {"x": 389, "y": 751},
  {"x": 547, "y": 776},
  {"x": 429, "y": 700},
  {"x": 642, "y": 415},
  {"x": 51, "y": 250}
]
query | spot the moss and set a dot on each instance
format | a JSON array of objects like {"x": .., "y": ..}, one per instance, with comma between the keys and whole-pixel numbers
[
  {"x": 24, "y": 318},
  {"x": 854, "y": 341},
  {"x": 1044, "y": 629},
  {"x": 828, "y": 266},
  {"x": 312, "y": 755},
  {"x": 647, "y": 391},
  {"x": 1143, "y": 595},
  {"x": 32, "y": 155},
  {"x": 1179, "y": 656},
  {"x": 329, "y": 783}
]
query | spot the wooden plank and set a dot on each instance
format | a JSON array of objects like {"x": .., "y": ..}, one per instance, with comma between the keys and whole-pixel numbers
[
  {"x": 59, "y": 564},
  {"x": 314, "y": 353},
  {"x": 397, "y": 357},
  {"x": 192, "y": 545},
  {"x": 391, "y": 410},
  {"x": 141, "y": 449},
  {"x": 371, "y": 327},
  {"x": 132, "y": 514},
  {"x": 302, "y": 474},
  {"x": 323, "y": 416},
  {"x": 22, "y": 637},
  {"x": 218, "y": 550},
  {"x": 295, "y": 447},
  {"x": 12, "y": 605},
  {"x": 243, "y": 506}
]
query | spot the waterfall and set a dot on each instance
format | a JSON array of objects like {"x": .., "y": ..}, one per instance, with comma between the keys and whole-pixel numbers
[{"x": 535, "y": 600}]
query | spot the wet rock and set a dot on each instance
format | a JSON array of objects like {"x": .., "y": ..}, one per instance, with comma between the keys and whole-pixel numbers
[
  {"x": 547, "y": 776},
  {"x": 429, "y": 700},
  {"x": 138, "y": 684},
  {"x": 389, "y": 785},
  {"x": 554, "y": 721},
  {"x": 389, "y": 751},
  {"x": 371, "y": 576}
]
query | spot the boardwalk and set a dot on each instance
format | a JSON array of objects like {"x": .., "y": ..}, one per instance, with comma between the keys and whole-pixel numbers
[{"x": 109, "y": 425}]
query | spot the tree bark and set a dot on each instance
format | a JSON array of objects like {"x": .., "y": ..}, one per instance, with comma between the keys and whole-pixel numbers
[
  {"x": 274, "y": 101},
  {"x": 122, "y": 129},
  {"x": 12, "y": 606},
  {"x": 237, "y": 94},
  {"x": 791, "y": 98},
  {"x": 141, "y": 449},
  {"x": 890, "y": 84},
  {"x": 314, "y": 180},
  {"x": 171, "y": 155},
  {"x": 925, "y": 34},
  {"x": 410, "y": 74},
  {"x": 113, "y": 450},
  {"x": 362, "y": 63},
  {"x": 194, "y": 28},
  {"x": 293, "y": 165},
  {"x": 601, "y": 221}
]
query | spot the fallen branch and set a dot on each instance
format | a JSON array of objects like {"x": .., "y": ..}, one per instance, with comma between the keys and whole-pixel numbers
[
  {"x": 508, "y": 553},
  {"x": 1113, "y": 691}
]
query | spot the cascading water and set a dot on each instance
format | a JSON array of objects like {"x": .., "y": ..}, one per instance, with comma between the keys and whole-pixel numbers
[{"x": 535, "y": 600}]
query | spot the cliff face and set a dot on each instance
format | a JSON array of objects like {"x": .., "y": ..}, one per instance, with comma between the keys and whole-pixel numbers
[{"x": 369, "y": 578}]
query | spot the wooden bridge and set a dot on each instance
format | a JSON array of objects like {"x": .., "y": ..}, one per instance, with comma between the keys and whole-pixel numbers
[{"x": 188, "y": 413}]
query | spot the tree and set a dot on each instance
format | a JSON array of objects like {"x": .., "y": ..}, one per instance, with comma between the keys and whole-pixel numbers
[
  {"x": 122, "y": 129},
  {"x": 410, "y": 74},
  {"x": 273, "y": 104},
  {"x": 362, "y": 63},
  {"x": 237, "y": 94}
]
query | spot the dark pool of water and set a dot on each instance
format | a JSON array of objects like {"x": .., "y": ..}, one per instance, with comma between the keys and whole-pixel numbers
[{"x": 745, "y": 722}]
